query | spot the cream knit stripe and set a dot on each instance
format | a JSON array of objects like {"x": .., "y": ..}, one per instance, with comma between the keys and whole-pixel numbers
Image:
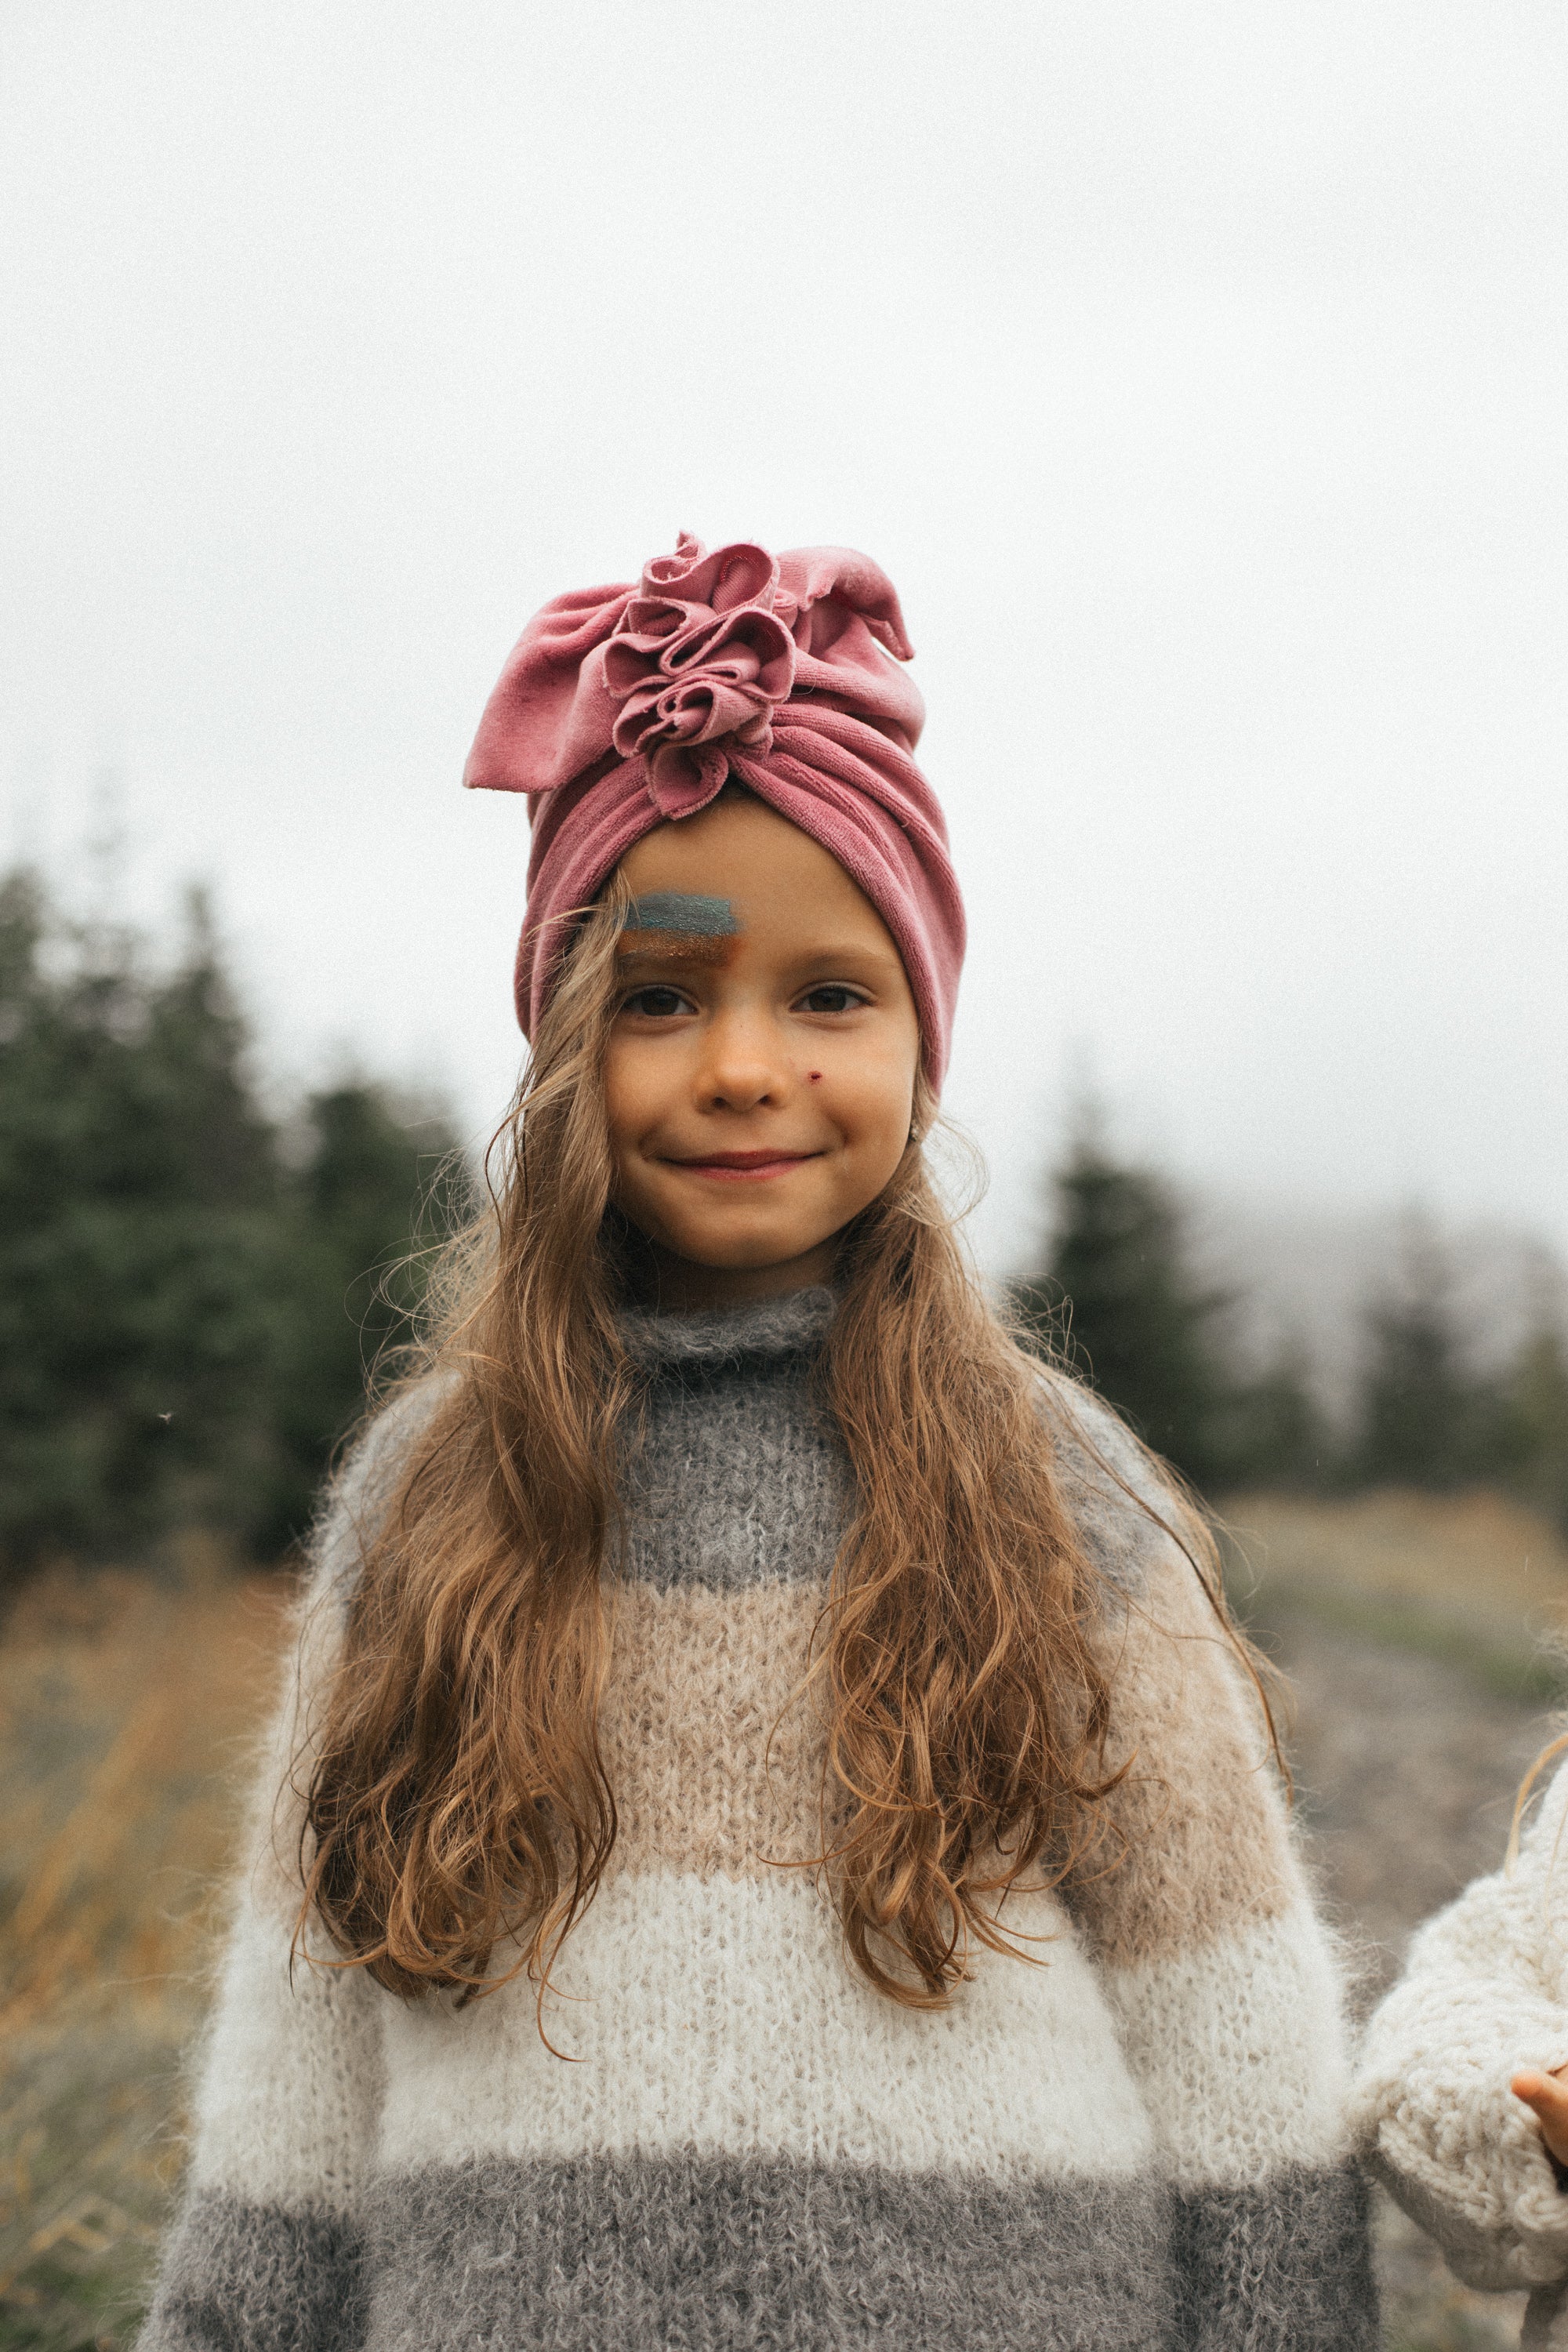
[
  {"x": 719, "y": 2014},
  {"x": 1237, "y": 2050},
  {"x": 291, "y": 2085},
  {"x": 702, "y": 2047},
  {"x": 1485, "y": 1993},
  {"x": 714, "y": 1752},
  {"x": 1226, "y": 1987}
]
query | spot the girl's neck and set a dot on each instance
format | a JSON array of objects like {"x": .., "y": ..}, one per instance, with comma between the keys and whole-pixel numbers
[{"x": 660, "y": 1279}]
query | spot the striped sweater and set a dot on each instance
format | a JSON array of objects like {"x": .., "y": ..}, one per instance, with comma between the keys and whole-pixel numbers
[{"x": 1135, "y": 2143}]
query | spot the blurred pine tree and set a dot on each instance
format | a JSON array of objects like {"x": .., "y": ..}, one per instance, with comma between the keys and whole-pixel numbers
[
  {"x": 1424, "y": 1418},
  {"x": 380, "y": 1184},
  {"x": 1277, "y": 1433},
  {"x": 175, "y": 1341},
  {"x": 1119, "y": 1303},
  {"x": 138, "y": 1246},
  {"x": 1532, "y": 1432}
]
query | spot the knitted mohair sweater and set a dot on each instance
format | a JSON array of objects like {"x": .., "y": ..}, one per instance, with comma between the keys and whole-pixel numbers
[
  {"x": 1135, "y": 2143},
  {"x": 1484, "y": 1994}
]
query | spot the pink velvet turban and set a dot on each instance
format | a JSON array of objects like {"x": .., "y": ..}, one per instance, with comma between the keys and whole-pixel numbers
[{"x": 620, "y": 708}]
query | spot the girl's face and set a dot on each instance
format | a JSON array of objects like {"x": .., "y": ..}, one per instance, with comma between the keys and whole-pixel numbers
[{"x": 761, "y": 1069}]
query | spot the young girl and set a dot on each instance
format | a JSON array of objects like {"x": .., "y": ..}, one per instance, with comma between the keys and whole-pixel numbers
[
  {"x": 777, "y": 1846},
  {"x": 1463, "y": 2090}
]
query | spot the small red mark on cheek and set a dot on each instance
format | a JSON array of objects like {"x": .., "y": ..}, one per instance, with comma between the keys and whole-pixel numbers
[{"x": 815, "y": 1075}]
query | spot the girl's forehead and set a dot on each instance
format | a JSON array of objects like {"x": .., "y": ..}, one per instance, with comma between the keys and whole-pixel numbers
[
  {"x": 734, "y": 850},
  {"x": 738, "y": 872}
]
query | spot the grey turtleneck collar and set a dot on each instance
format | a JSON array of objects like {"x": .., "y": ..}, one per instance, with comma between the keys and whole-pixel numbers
[
  {"x": 795, "y": 1325},
  {"x": 739, "y": 1478}
]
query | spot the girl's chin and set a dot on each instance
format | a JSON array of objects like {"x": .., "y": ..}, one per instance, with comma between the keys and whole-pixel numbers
[{"x": 744, "y": 1250}]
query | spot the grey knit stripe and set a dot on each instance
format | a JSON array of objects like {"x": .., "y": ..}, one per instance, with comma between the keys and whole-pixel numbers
[
  {"x": 639, "y": 2254},
  {"x": 247, "y": 2278},
  {"x": 737, "y": 1481},
  {"x": 1282, "y": 2267}
]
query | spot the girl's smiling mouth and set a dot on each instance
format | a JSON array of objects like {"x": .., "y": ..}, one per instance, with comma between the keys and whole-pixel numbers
[{"x": 739, "y": 1166}]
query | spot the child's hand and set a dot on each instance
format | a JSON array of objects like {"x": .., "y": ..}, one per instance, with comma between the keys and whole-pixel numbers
[{"x": 1548, "y": 2095}]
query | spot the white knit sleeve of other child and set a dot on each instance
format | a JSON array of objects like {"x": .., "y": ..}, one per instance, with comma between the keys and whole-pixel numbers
[{"x": 1484, "y": 1996}]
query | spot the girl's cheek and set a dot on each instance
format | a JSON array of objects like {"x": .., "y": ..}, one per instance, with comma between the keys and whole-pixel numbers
[{"x": 637, "y": 1076}]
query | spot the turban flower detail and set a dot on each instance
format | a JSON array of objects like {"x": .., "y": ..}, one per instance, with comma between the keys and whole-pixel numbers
[
  {"x": 703, "y": 663},
  {"x": 623, "y": 707}
]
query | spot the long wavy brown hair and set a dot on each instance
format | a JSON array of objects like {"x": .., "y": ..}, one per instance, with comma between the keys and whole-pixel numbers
[{"x": 455, "y": 1798}]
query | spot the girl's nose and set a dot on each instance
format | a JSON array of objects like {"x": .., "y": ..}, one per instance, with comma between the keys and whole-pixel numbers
[{"x": 741, "y": 1071}]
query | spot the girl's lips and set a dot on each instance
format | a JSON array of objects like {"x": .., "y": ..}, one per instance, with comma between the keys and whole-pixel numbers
[{"x": 743, "y": 1167}]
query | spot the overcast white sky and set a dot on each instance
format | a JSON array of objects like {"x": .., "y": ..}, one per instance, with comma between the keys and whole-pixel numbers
[{"x": 1198, "y": 373}]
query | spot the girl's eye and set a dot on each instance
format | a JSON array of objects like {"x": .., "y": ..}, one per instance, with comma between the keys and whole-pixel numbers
[
  {"x": 659, "y": 1004},
  {"x": 832, "y": 998}
]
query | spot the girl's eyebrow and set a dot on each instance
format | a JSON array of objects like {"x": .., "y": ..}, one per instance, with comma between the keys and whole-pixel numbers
[
  {"x": 674, "y": 946},
  {"x": 688, "y": 915}
]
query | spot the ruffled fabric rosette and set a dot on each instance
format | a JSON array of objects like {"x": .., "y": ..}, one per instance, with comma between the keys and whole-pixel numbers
[
  {"x": 624, "y": 707},
  {"x": 699, "y": 667}
]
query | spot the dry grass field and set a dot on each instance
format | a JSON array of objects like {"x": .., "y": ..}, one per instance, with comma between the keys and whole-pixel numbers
[
  {"x": 1411, "y": 1628},
  {"x": 124, "y": 1710},
  {"x": 1472, "y": 1578}
]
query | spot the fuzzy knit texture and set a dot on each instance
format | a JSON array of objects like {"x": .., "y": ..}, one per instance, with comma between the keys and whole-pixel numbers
[
  {"x": 1485, "y": 1994},
  {"x": 1137, "y": 2143}
]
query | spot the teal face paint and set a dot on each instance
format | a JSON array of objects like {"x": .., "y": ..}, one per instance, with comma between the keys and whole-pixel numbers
[{"x": 673, "y": 911}]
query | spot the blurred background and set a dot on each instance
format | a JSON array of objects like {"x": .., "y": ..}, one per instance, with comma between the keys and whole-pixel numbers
[{"x": 1194, "y": 373}]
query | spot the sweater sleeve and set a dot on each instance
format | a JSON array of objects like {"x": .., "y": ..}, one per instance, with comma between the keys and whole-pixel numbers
[
  {"x": 264, "y": 2252},
  {"x": 1226, "y": 1988},
  {"x": 1484, "y": 1994}
]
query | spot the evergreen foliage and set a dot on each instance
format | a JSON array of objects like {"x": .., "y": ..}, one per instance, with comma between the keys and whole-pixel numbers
[
  {"x": 178, "y": 1296},
  {"x": 1118, "y": 1301},
  {"x": 1427, "y": 1416},
  {"x": 1423, "y": 1414},
  {"x": 1278, "y": 1434},
  {"x": 1531, "y": 1422},
  {"x": 375, "y": 1192}
]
